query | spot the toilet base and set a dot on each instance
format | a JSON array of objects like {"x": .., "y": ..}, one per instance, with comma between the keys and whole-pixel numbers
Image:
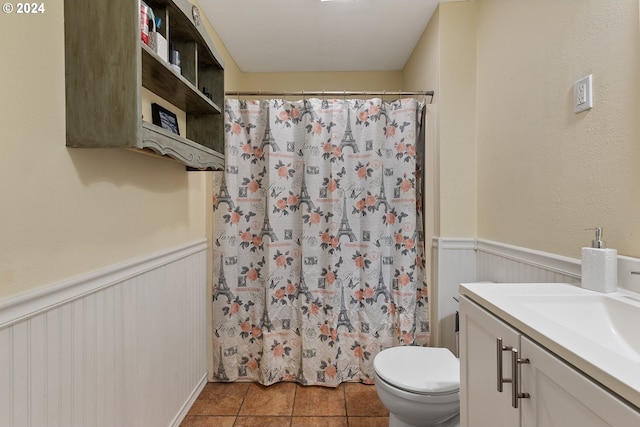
[{"x": 451, "y": 422}]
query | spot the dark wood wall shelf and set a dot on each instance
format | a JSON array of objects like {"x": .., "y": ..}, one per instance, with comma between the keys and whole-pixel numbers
[{"x": 107, "y": 65}]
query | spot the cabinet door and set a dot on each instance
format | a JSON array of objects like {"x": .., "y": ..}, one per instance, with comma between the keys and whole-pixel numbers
[
  {"x": 481, "y": 404},
  {"x": 563, "y": 397}
]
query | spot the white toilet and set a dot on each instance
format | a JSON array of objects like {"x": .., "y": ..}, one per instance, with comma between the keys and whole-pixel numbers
[{"x": 420, "y": 386}]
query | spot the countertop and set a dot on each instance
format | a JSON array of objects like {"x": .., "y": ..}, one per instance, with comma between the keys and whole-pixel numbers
[{"x": 619, "y": 371}]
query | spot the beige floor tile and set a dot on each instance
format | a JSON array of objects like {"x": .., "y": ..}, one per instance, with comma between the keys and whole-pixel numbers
[
  {"x": 274, "y": 400},
  {"x": 362, "y": 400},
  {"x": 319, "y": 401},
  {"x": 263, "y": 422},
  {"x": 368, "y": 421},
  {"x": 207, "y": 421}
]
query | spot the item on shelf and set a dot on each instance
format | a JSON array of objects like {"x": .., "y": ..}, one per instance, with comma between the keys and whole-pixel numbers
[
  {"x": 195, "y": 13},
  {"x": 164, "y": 118},
  {"x": 159, "y": 45},
  {"x": 156, "y": 41},
  {"x": 174, "y": 59},
  {"x": 144, "y": 22}
]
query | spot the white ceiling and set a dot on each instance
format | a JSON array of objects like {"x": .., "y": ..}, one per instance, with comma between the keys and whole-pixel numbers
[{"x": 314, "y": 35}]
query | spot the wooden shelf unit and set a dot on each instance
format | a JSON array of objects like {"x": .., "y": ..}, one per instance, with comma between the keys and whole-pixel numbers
[{"x": 106, "y": 66}]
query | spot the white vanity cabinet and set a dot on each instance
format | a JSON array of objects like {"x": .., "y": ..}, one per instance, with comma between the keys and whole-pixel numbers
[
  {"x": 549, "y": 393},
  {"x": 481, "y": 404}
]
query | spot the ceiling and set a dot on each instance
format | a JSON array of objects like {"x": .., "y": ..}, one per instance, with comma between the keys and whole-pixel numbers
[{"x": 315, "y": 35}]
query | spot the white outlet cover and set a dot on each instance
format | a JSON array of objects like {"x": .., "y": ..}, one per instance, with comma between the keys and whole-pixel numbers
[{"x": 582, "y": 94}]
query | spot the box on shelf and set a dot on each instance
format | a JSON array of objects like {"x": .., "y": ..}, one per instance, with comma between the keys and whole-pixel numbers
[
  {"x": 144, "y": 22},
  {"x": 159, "y": 45}
]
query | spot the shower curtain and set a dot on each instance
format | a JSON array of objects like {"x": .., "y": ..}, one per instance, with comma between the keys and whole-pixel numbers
[{"x": 318, "y": 245}]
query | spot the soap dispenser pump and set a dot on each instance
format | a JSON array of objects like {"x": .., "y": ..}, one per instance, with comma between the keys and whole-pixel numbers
[{"x": 599, "y": 265}]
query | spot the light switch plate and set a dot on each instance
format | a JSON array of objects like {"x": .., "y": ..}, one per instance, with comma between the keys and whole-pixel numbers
[{"x": 582, "y": 94}]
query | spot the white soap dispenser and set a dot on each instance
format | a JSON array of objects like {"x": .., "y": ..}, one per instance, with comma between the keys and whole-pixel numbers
[{"x": 599, "y": 266}]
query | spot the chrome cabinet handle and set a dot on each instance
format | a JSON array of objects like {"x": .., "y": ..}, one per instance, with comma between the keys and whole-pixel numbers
[
  {"x": 499, "y": 349},
  {"x": 516, "y": 363}
]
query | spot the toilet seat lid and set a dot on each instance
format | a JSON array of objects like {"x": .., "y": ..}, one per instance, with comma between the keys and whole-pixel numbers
[{"x": 419, "y": 369}]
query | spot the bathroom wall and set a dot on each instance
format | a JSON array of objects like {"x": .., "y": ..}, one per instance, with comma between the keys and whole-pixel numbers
[
  {"x": 444, "y": 60},
  {"x": 514, "y": 164},
  {"x": 318, "y": 81},
  {"x": 103, "y": 257},
  {"x": 69, "y": 211},
  {"x": 544, "y": 173}
]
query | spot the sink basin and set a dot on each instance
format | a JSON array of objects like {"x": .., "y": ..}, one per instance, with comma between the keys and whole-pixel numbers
[
  {"x": 609, "y": 321},
  {"x": 597, "y": 333}
]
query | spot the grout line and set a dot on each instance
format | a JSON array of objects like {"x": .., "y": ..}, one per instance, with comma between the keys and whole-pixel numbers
[
  {"x": 244, "y": 397},
  {"x": 293, "y": 405},
  {"x": 344, "y": 399}
]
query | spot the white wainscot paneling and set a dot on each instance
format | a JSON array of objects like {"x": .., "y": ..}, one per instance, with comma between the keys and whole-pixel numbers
[
  {"x": 454, "y": 263},
  {"x": 125, "y": 346},
  {"x": 502, "y": 263},
  {"x": 459, "y": 260}
]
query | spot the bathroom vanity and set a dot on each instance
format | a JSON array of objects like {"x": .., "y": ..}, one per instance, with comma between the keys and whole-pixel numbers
[{"x": 548, "y": 355}]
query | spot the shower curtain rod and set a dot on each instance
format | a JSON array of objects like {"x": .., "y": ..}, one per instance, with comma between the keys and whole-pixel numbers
[{"x": 334, "y": 93}]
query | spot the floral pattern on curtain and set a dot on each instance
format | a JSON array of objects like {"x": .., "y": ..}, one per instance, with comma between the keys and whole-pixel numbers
[{"x": 318, "y": 247}]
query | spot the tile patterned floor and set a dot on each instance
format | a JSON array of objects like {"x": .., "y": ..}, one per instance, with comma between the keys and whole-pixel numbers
[{"x": 287, "y": 405}]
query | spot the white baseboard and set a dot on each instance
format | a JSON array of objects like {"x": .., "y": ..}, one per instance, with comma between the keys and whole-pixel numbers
[{"x": 189, "y": 402}]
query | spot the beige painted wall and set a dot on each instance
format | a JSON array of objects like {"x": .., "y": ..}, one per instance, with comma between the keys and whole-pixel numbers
[
  {"x": 444, "y": 60},
  {"x": 422, "y": 72},
  {"x": 329, "y": 81},
  {"x": 514, "y": 163},
  {"x": 457, "y": 126},
  {"x": 67, "y": 211},
  {"x": 544, "y": 173}
]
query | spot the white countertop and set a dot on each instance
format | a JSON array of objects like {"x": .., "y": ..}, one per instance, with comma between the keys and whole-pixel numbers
[{"x": 615, "y": 366}]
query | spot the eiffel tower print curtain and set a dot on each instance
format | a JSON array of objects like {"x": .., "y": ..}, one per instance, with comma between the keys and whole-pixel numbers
[{"x": 318, "y": 246}]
